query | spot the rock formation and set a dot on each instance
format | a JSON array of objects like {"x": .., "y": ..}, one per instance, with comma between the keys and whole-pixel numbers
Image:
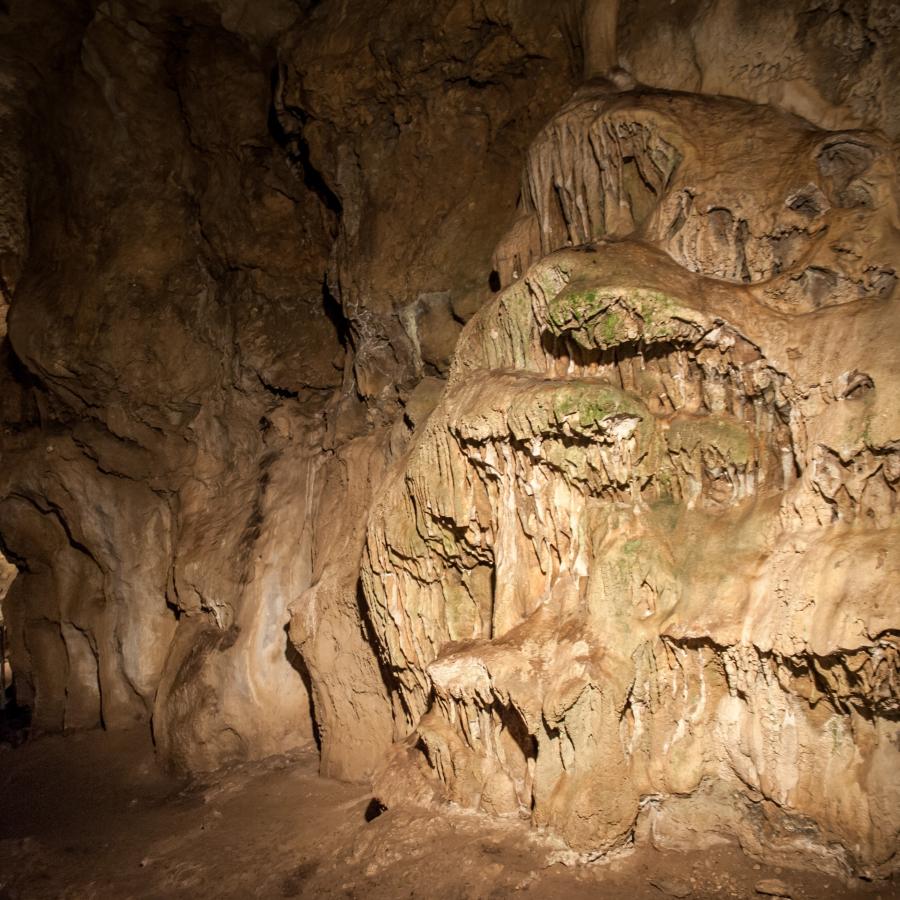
[{"x": 500, "y": 394}]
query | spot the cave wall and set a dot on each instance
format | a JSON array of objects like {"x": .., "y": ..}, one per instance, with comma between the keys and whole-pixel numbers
[
  {"x": 499, "y": 394},
  {"x": 218, "y": 325}
]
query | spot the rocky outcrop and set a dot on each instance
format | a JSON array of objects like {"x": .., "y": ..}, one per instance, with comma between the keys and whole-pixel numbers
[
  {"x": 634, "y": 578},
  {"x": 155, "y": 335},
  {"x": 698, "y": 177},
  {"x": 832, "y": 62}
]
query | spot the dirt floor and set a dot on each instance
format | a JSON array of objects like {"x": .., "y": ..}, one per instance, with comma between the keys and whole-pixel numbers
[{"x": 91, "y": 816}]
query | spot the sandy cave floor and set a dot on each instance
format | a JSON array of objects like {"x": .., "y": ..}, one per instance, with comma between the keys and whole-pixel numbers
[{"x": 91, "y": 815}]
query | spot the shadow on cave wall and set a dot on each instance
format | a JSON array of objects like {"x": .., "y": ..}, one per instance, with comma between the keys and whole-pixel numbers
[
  {"x": 15, "y": 720},
  {"x": 297, "y": 662}
]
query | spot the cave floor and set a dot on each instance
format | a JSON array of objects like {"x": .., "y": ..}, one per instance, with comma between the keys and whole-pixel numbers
[{"x": 90, "y": 815}]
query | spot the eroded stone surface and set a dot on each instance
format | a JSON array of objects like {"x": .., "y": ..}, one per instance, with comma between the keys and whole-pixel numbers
[
  {"x": 581, "y": 508},
  {"x": 635, "y": 576},
  {"x": 221, "y": 333}
]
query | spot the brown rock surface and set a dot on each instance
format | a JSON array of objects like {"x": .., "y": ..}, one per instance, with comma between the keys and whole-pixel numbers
[
  {"x": 500, "y": 394},
  {"x": 635, "y": 575},
  {"x": 91, "y": 815}
]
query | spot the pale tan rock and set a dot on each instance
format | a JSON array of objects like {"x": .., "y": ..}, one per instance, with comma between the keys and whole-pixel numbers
[
  {"x": 170, "y": 301},
  {"x": 830, "y": 63},
  {"x": 352, "y": 708},
  {"x": 773, "y": 887},
  {"x": 672, "y": 887},
  {"x": 614, "y": 569}
]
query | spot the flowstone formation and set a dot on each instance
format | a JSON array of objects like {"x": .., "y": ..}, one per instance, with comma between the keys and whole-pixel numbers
[
  {"x": 500, "y": 395},
  {"x": 635, "y": 578}
]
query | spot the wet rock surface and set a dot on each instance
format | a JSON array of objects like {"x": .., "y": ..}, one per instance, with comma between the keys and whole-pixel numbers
[{"x": 499, "y": 397}]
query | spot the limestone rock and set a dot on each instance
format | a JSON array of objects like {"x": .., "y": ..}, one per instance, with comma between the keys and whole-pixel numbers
[
  {"x": 773, "y": 887},
  {"x": 833, "y": 63},
  {"x": 672, "y": 887},
  {"x": 502, "y": 395},
  {"x": 611, "y": 576}
]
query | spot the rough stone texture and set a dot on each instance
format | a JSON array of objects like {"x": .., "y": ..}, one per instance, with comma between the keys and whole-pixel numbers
[
  {"x": 187, "y": 452},
  {"x": 443, "y": 112},
  {"x": 328, "y": 630},
  {"x": 635, "y": 578},
  {"x": 173, "y": 270},
  {"x": 833, "y": 62},
  {"x": 501, "y": 394}
]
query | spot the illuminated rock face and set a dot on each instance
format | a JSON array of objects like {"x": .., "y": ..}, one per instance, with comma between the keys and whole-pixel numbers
[
  {"x": 636, "y": 575},
  {"x": 579, "y": 506}
]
